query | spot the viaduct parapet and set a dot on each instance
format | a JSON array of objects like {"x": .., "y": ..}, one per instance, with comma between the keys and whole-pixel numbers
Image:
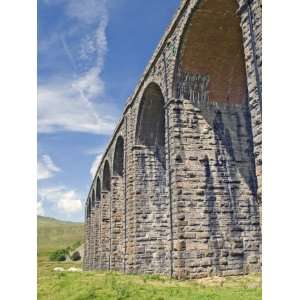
[{"x": 178, "y": 190}]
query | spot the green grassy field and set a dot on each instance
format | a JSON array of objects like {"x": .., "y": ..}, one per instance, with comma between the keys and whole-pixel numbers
[
  {"x": 110, "y": 285},
  {"x": 55, "y": 234}
]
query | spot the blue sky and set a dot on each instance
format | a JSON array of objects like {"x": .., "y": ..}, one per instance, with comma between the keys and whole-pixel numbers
[{"x": 91, "y": 55}]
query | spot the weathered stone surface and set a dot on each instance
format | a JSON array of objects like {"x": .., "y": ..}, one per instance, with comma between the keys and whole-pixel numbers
[{"x": 181, "y": 178}]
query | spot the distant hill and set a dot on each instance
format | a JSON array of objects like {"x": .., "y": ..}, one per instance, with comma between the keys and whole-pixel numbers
[{"x": 56, "y": 234}]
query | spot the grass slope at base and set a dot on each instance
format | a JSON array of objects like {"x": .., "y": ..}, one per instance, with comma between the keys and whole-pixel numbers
[
  {"x": 111, "y": 285},
  {"x": 54, "y": 234}
]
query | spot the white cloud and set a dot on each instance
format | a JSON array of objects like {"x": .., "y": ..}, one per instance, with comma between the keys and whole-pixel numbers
[
  {"x": 73, "y": 104},
  {"x": 63, "y": 199},
  {"x": 99, "y": 151},
  {"x": 50, "y": 194},
  {"x": 88, "y": 47},
  {"x": 63, "y": 108},
  {"x": 90, "y": 85},
  {"x": 95, "y": 165},
  {"x": 95, "y": 150},
  {"x": 46, "y": 168},
  {"x": 87, "y": 11},
  {"x": 40, "y": 209},
  {"x": 69, "y": 202}
]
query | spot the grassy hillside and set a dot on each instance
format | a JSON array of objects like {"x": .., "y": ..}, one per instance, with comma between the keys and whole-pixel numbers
[{"x": 55, "y": 234}]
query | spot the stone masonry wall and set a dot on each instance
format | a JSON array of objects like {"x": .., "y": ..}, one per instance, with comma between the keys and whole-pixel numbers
[
  {"x": 87, "y": 236},
  {"x": 216, "y": 223},
  {"x": 92, "y": 239},
  {"x": 152, "y": 213},
  {"x": 96, "y": 237},
  {"x": 117, "y": 225},
  {"x": 189, "y": 207},
  {"x": 105, "y": 235},
  {"x": 251, "y": 24}
]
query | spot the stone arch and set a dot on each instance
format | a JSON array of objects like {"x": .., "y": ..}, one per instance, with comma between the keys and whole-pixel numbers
[
  {"x": 118, "y": 163},
  {"x": 93, "y": 198},
  {"x": 151, "y": 200},
  {"x": 98, "y": 189},
  {"x": 106, "y": 181},
  {"x": 210, "y": 61},
  {"x": 117, "y": 207},
  {"x": 150, "y": 128},
  {"x": 88, "y": 207},
  {"x": 105, "y": 219},
  {"x": 210, "y": 74}
]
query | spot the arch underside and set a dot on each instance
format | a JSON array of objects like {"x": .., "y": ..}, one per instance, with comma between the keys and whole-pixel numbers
[
  {"x": 106, "y": 177},
  {"x": 93, "y": 198},
  {"x": 211, "y": 63},
  {"x": 118, "y": 165},
  {"x": 98, "y": 190},
  {"x": 151, "y": 119}
]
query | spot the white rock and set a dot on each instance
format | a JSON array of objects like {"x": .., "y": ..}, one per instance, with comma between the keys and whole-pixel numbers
[
  {"x": 74, "y": 269},
  {"x": 58, "y": 269}
]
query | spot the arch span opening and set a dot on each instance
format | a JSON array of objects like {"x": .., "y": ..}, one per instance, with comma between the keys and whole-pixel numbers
[
  {"x": 150, "y": 178},
  {"x": 106, "y": 177},
  {"x": 88, "y": 207},
  {"x": 98, "y": 189},
  {"x": 118, "y": 166},
  {"x": 211, "y": 63},
  {"x": 93, "y": 198},
  {"x": 151, "y": 118}
]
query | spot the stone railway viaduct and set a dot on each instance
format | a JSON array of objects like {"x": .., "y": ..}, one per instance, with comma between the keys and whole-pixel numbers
[{"x": 178, "y": 190}]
